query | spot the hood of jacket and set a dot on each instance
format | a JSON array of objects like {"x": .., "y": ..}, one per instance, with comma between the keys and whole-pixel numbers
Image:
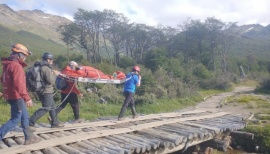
[{"x": 11, "y": 58}]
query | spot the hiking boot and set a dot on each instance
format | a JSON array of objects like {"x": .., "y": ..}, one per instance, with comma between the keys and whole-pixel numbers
[
  {"x": 60, "y": 125},
  {"x": 120, "y": 119},
  {"x": 135, "y": 116},
  {"x": 32, "y": 128},
  {"x": 78, "y": 121},
  {"x": 32, "y": 140}
]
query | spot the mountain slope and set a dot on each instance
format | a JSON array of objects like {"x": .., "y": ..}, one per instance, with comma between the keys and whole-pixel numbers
[
  {"x": 35, "y": 43},
  {"x": 36, "y": 22}
]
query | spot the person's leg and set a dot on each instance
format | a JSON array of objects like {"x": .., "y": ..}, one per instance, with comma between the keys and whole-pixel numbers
[
  {"x": 128, "y": 98},
  {"x": 16, "y": 114},
  {"x": 132, "y": 106},
  {"x": 48, "y": 98},
  {"x": 28, "y": 133},
  {"x": 64, "y": 101},
  {"x": 74, "y": 102},
  {"x": 46, "y": 106}
]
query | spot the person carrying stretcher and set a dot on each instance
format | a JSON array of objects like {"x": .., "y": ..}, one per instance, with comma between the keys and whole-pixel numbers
[
  {"x": 133, "y": 79},
  {"x": 70, "y": 94}
]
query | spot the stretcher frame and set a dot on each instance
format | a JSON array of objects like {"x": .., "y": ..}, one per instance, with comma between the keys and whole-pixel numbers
[
  {"x": 109, "y": 81},
  {"x": 95, "y": 80}
]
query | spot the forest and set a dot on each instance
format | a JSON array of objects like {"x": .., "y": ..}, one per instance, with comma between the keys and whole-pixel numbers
[{"x": 176, "y": 62}]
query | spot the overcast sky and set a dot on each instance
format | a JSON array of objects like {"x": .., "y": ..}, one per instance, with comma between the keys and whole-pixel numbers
[{"x": 153, "y": 12}]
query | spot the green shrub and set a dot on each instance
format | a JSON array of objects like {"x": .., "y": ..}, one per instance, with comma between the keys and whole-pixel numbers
[
  {"x": 264, "y": 86},
  {"x": 126, "y": 62},
  {"x": 148, "y": 98},
  {"x": 215, "y": 83},
  {"x": 261, "y": 139},
  {"x": 111, "y": 94},
  {"x": 201, "y": 72}
]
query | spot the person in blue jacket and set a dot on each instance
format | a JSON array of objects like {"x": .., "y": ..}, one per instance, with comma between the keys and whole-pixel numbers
[{"x": 133, "y": 80}]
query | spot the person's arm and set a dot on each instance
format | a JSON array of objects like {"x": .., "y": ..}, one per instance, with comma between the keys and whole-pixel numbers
[
  {"x": 139, "y": 81},
  {"x": 48, "y": 75},
  {"x": 20, "y": 82},
  {"x": 76, "y": 90}
]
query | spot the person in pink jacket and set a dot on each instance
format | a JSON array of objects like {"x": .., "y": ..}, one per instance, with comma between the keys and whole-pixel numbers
[{"x": 70, "y": 95}]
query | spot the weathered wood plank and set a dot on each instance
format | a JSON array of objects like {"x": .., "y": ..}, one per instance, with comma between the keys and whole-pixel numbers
[
  {"x": 216, "y": 130},
  {"x": 69, "y": 149},
  {"x": 40, "y": 130},
  {"x": 19, "y": 140},
  {"x": 10, "y": 142},
  {"x": 3, "y": 145},
  {"x": 143, "y": 147},
  {"x": 50, "y": 150},
  {"x": 95, "y": 134}
]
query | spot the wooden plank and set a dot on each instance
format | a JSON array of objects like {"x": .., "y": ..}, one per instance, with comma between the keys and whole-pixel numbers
[
  {"x": 101, "y": 133},
  {"x": 3, "y": 145},
  {"x": 105, "y": 123},
  {"x": 68, "y": 149},
  {"x": 143, "y": 147},
  {"x": 50, "y": 150},
  {"x": 215, "y": 129}
]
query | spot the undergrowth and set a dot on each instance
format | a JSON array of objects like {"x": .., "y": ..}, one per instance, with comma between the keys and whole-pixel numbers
[{"x": 91, "y": 109}]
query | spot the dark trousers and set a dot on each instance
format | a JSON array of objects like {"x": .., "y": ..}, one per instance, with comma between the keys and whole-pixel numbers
[
  {"x": 48, "y": 105},
  {"x": 18, "y": 114},
  {"x": 129, "y": 101},
  {"x": 72, "y": 99}
]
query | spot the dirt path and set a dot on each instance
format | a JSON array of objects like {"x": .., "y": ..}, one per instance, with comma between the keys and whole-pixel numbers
[{"x": 213, "y": 103}]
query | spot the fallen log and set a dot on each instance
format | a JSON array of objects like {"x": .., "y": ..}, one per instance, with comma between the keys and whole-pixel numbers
[
  {"x": 240, "y": 134},
  {"x": 217, "y": 144}
]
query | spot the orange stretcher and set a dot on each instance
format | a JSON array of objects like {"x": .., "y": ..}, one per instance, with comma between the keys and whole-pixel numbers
[{"x": 93, "y": 75}]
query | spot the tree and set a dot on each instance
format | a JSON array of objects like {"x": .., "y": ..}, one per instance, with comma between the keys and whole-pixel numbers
[
  {"x": 90, "y": 23},
  {"x": 214, "y": 29},
  {"x": 227, "y": 40},
  {"x": 115, "y": 30},
  {"x": 69, "y": 35}
]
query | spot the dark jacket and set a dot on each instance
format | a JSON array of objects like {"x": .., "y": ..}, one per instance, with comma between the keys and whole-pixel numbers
[
  {"x": 47, "y": 77},
  {"x": 13, "y": 79}
]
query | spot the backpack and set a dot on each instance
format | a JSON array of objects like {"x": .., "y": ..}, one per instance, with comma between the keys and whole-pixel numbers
[
  {"x": 61, "y": 83},
  {"x": 34, "y": 82}
]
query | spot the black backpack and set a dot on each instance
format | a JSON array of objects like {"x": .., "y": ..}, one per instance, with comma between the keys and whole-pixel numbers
[{"x": 34, "y": 82}]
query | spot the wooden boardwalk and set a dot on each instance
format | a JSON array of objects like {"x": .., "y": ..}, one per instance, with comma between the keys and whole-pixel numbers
[{"x": 154, "y": 133}]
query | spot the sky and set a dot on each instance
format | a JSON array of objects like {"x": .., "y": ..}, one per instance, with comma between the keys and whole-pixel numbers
[{"x": 155, "y": 12}]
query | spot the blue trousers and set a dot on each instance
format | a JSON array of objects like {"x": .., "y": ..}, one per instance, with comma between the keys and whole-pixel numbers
[{"x": 19, "y": 113}]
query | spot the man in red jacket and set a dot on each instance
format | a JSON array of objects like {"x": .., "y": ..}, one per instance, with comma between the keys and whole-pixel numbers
[
  {"x": 70, "y": 95},
  {"x": 14, "y": 91}
]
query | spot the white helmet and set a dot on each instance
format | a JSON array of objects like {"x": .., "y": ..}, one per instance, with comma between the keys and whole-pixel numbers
[{"x": 73, "y": 63}]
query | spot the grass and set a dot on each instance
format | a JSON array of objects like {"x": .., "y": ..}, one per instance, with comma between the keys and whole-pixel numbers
[
  {"x": 91, "y": 110},
  {"x": 250, "y": 101}
]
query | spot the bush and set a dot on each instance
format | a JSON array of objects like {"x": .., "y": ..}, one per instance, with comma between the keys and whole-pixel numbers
[
  {"x": 218, "y": 83},
  {"x": 126, "y": 62},
  {"x": 149, "y": 98},
  {"x": 261, "y": 139},
  {"x": 201, "y": 72}
]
